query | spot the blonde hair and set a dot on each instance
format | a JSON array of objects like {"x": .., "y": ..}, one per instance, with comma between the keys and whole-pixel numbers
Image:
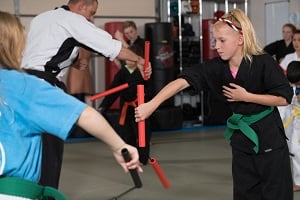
[
  {"x": 128, "y": 24},
  {"x": 86, "y": 2},
  {"x": 12, "y": 41},
  {"x": 251, "y": 45}
]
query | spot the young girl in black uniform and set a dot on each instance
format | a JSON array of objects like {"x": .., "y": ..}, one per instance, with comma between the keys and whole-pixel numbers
[
  {"x": 252, "y": 84},
  {"x": 130, "y": 74}
]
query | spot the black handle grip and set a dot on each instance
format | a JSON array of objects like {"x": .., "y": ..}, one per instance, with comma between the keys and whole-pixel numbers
[{"x": 133, "y": 172}]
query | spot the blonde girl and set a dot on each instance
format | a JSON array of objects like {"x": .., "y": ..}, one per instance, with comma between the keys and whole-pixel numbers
[{"x": 252, "y": 85}]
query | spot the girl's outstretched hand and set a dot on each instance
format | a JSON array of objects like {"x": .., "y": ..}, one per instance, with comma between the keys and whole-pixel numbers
[{"x": 143, "y": 111}]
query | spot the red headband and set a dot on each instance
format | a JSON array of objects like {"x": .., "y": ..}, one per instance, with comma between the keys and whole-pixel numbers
[{"x": 232, "y": 25}]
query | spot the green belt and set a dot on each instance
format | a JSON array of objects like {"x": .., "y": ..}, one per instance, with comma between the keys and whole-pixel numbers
[
  {"x": 27, "y": 189},
  {"x": 242, "y": 122}
]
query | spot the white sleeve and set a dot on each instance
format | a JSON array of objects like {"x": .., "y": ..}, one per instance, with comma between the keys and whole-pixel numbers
[
  {"x": 284, "y": 63},
  {"x": 286, "y": 60},
  {"x": 285, "y": 112},
  {"x": 90, "y": 35}
]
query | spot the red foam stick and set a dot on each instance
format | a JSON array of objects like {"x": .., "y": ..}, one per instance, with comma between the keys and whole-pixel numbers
[
  {"x": 146, "y": 57},
  {"x": 108, "y": 92},
  {"x": 141, "y": 124},
  {"x": 163, "y": 179}
]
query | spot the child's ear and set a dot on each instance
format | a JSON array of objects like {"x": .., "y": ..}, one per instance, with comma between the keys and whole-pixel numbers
[{"x": 241, "y": 39}]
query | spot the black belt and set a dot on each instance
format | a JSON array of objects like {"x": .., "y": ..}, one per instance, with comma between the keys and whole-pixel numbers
[{"x": 50, "y": 78}]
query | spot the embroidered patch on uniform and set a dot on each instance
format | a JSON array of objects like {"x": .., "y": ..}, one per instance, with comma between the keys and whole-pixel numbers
[{"x": 268, "y": 150}]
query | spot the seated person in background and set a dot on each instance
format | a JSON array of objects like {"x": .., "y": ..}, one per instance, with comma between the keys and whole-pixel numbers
[
  {"x": 129, "y": 73},
  {"x": 292, "y": 56},
  {"x": 280, "y": 48},
  {"x": 30, "y": 106},
  {"x": 130, "y": 32}
]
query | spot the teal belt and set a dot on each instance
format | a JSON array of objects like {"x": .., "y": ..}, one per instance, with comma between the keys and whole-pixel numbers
[
  {"x": 27, "y": 189},
  {"x": 242, "y": 122}
]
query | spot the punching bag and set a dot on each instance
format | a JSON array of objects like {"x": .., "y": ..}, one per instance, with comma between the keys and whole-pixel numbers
[
  {"x": 110, "y": 67},
  {"x": 209, "y": 51},
  {"x": 160, "y": 36}
]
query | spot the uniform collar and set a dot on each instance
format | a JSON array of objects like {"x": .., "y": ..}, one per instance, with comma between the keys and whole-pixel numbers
[{"x": 64, "y": 7}]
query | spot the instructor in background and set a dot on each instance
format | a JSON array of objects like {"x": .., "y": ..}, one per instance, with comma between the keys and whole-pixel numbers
[
  {"x": 52, "y": 45},
  {"x": 280, "y": 48}
]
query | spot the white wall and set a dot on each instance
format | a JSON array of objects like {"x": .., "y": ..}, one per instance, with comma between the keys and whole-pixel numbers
[
  {"x": 140, "y": 8},
  {"x": 257, "y": 15}
]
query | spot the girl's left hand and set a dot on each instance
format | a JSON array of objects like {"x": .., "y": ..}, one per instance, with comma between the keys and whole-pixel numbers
[{"x": 235, "y": 93}]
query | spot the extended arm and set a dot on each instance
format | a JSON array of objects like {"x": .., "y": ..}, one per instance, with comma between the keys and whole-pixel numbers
[
  {"x": 145, "y": 110},
  {"x": 119, "y": 36}
]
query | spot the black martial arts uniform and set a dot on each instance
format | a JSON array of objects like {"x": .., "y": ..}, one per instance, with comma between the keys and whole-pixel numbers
[
  {"x": 279, "y": 49},
  {"x": 52, "y": 46},
  {"x": 128, "y": 101},
  {"x": 140, "y": 42},
  {"x": 265, "y": 175}
]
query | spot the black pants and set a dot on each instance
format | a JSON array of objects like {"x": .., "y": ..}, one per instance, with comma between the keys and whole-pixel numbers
[
  {"x": 130, "y": 135},
  {"x": 264, "y": 176},
  {"x": 53, "y": 146}
]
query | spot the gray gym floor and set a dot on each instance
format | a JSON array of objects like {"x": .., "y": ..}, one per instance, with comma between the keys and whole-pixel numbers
[{"x": 197, "y": 164}]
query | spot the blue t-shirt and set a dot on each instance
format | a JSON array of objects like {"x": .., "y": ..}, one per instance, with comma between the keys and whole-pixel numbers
[{"x": 30, "y": 106}]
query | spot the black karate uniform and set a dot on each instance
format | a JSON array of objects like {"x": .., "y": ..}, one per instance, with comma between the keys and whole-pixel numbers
[
  {"x": 140, "y": 42},
  {"x": 279, "y": 49},
  {"x": 130, "y": 127},
  {"x": 266, "y": 175}
]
